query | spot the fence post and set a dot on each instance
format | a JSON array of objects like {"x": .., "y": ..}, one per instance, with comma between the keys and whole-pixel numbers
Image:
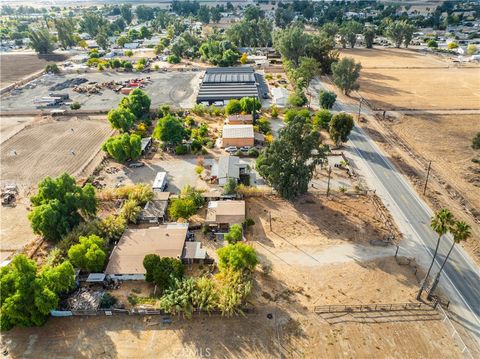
[{"x": 396, "y": 251}]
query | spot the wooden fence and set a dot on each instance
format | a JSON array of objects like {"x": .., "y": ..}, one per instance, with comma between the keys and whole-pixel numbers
[{"x": 371, "y": 307}]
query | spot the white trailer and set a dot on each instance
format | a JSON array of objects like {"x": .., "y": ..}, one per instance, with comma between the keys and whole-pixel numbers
[{"x": 160, "y": 183}]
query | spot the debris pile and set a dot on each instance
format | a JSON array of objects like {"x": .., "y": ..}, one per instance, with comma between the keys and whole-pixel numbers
[
  {"x": 68, "y": 83},
  {"x": 84, "y": 299}
]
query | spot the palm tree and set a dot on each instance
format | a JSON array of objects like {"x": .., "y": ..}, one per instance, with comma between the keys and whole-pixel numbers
[
  {"x": 461, "y": 232},
  {"x": 440, "y": 223}
]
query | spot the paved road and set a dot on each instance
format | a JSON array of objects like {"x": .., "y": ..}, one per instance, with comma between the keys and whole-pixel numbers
[{"x": 461, "y": 277}]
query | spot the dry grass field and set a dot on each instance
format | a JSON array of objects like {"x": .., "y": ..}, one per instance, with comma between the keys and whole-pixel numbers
[
  {"x": 14, "y": 67},
  {"x": 393, "y": 79},
  {"x": 446, "y": 140},
  {"x": 50, "y": 148}
]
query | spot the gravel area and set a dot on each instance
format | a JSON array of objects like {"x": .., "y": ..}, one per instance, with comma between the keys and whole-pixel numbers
[{"x": 174, "y": 88}]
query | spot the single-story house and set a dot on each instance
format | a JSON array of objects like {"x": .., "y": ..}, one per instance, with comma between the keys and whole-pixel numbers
[
  {"x": 166, "y": 240},
  {"x": 239, "y": 120},
  {"x": 230, "y": 167},
  {"x": 155, "y": 210},
  {"x": 225, "y": 213},
  {"x": 237, "y": 135},
  {"x": 79, "y": 59},
  {"x": 280, "y": 96}
]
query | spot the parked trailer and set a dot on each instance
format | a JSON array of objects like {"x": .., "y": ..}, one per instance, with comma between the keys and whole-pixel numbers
[{"x": 160, "y": 183}]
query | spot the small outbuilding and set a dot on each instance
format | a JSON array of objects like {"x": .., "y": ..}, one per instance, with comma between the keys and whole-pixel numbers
[
  {"x": 239, "y": 120},
  {"x": 155, "y": 210},
  {"x": 237, "y": 135},
  {"x": 230, "y": 167},
  {"x": 223, "y": 214}
]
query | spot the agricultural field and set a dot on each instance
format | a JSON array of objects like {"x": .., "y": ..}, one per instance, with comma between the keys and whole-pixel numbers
[
  {"x": 16, "y": 66},
  {"x": 51, "y": 147},
  {"x": 393, "y": 79}
]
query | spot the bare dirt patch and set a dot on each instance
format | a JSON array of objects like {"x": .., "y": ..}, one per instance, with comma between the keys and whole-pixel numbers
[
  {"x": 14, "y": 67},
  {"x": 400, "y": 79}
]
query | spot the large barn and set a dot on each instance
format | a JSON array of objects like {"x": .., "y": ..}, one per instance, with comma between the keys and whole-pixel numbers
[{"x": 224, "y": 83}]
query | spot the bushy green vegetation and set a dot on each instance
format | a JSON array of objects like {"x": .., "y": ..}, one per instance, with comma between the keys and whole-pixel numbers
[
  {"x": 29, "y": 294},
  {"x": 164, "y": 272},
  {"x": 124, "y": 147},
  {"x": 287, "y": 164},
  {"x": 234, "y": 234},
  {"x": 340, "y": 127},
  {"x": 89, "y": 254},
  {"x": 186, "y": 205},
  {"x": 59, "y": 206}
]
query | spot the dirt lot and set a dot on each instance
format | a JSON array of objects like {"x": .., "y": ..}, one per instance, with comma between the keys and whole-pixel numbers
[
  {"x": 175, "y": 88},
  {"x": 50, "y": 147},
  {"x": 14, "y": 67},
  {"x": 403, "y": 79},
  {"x": 448, "y": 147}
]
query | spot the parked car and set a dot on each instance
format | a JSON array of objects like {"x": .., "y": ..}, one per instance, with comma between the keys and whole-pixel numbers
[
  {"x": 136, "y": 165},
  {"x": 231, "y": 149},
  {"x": 245, "y": 148}
]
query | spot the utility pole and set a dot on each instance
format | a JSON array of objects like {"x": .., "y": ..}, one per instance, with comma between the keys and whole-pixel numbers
[
  {"x": 328, "y": 183},
  {"x": 359, "y": 108},
  {"x": 428, "y": 175}
]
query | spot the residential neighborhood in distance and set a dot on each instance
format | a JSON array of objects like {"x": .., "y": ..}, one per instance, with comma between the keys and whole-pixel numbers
[{"x": 240, "y": 179}]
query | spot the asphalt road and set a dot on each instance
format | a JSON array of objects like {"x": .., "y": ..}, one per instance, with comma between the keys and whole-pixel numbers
[{"x": 460, "y": 279}]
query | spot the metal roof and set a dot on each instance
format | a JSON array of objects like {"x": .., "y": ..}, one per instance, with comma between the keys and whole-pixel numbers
[
  {"x": 237, "y": 131},
  {"x": 228, "y": 83}
]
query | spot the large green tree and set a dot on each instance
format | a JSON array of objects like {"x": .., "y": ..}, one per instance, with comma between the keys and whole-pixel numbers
[
  {"x": 170, "y": 130},
  {"x": 41, "y": 40},
  {"x": 124, "y": 147},
  {"x": 65, "y": 32},
  {"x": 137, "y": 102},
  {"x": 349, "y": 31},
  {"x": 291, "y": 43},
  {"x": 28, "y": 295},
  {"x": 92, "y": 22},
  {"x": 287, "y": 164},
  {"x": 369, "y": 35},
  {"x": 238, "y": 256},
  {"x": 59, "y": 204},
  {"x": 89, "y": 254},
  {"x": 121, "y": 118},
  {"x": 345, "y": 74},
  {"x": 340, "y": 127},
  {"x": 162, "y": 271}
]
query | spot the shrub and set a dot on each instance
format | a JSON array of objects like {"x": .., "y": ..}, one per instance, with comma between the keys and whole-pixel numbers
[
  {"x": 238, "y": 257},
  {"x": 130, "y": 211},
  {"x": 476, "y": 142},
  {"x": 199, "y": 170},
  {"x": 233, "y": 107},
  {"x": 75, "y": 106},
  {"x": 181, "y": 150},
  {"x": 230, "y": 186},
  {"x": 199, "y": 109},
  {"x": 253, "y": 152},
  {"x": 107, "y": 301},
  {"x": 327, "y": 99},
  {"x": 174, "y": 59},
  {"x": 234, "y": 234},
  {"x": 89, "y": 254},
  {"x": 52, "y": 69},
  {"x": 129, "y": 53},
  {"x": 322, "y": 119},
  {"x": 274, "y": 111},
  {"x": 249, "y": 222},
  {"x": 432, "y": 44},
  {"x": 297, "y": 98}
]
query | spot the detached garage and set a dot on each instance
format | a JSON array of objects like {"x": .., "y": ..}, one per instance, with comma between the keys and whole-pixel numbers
[{"x": 237, "y": 135}]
